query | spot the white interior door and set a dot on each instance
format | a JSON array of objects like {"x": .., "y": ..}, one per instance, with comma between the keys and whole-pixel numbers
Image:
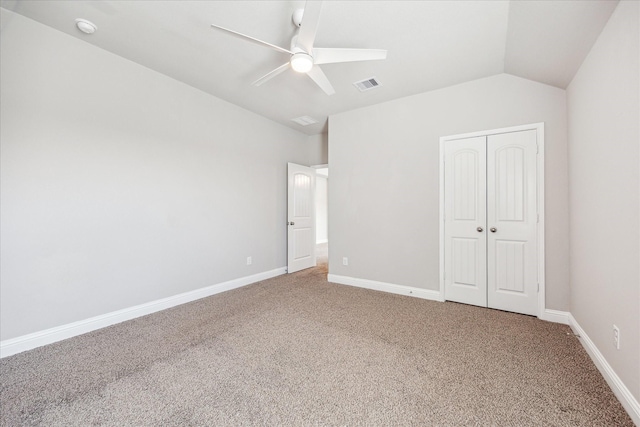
[
  {"x": 465, "y": 244},
  {"x": 301, "y": 222},
  {"x": 512, "y": 220}
]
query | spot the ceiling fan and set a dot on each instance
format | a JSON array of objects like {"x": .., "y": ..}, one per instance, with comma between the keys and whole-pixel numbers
[{"x": 303, "y": 56}]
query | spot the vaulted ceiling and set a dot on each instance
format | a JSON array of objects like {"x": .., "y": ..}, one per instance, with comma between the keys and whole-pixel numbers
[{"x": 431, "y": 45}]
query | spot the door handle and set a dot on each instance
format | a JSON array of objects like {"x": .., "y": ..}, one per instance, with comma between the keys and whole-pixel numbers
[
  {"x": 493, "y": 229},
  {"x": 291, "y": 223},
  {"x": 479, "y": 229}
]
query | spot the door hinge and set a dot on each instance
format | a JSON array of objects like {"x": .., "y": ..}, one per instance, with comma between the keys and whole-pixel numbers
[{"x": 538, "y": 287}]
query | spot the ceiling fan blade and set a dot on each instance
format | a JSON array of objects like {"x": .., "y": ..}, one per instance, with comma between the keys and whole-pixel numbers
[
  {"x": 329, "y": 55},
  {"x": 252, "y": 39},
  {"x": 309, "y": 25},
  {"x": 318, "y": 76},
  {"x": 271, "y": 74}
]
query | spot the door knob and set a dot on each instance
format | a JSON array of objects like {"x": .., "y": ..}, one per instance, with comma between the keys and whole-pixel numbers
[
  {"x": 292, "y": 223},
  {"x": 493, "y": 229},
  {"x": 479, "y": 229}
]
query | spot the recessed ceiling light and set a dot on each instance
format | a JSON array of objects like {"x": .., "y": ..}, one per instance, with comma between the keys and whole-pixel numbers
[{"x": 85, "y": 26}]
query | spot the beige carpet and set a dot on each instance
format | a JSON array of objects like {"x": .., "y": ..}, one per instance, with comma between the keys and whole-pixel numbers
[{"x": 296, "y": 350}]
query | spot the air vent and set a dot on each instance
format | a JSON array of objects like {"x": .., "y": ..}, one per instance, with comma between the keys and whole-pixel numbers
[
  {"x": 304, "y": 120},
  {"x": 367, "y": 84}
]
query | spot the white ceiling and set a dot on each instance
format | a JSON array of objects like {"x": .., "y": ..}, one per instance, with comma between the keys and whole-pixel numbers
[{"x": 431, "y": 45}]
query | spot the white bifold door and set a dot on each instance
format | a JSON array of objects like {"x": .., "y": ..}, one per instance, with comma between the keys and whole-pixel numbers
[
  {"x": 490, "y": 221},
  {"x": 301, "y": 222}
]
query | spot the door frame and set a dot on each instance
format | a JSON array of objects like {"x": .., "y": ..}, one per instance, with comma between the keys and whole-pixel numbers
[{"x": 543, "y": 313}]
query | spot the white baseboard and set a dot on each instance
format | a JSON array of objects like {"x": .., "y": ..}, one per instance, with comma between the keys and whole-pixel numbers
[
  {"x": 621, "y": 391},
  {"x": 555, "y": 316},
  {"x": 37, "y": 339},
  {"x": 386, "y": 287}
]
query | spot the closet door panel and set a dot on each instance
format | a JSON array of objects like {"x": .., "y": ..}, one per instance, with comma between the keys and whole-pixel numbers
[
  {"x": 511, "y": 221},
  {"x": 465, "y": 213}
]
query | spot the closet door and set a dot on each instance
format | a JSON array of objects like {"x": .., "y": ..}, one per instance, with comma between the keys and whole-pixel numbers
[
  {"x": 465, "y": 235},
  {"x": 512, "y": 222}
]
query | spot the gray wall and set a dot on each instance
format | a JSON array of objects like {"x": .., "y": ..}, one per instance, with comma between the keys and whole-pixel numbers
[
  {"x": 604, "y": 139},
  {"x": 120, "y": 186},
  {"x": 319, "y": 148},
  {"x": 384, "y": 188}
]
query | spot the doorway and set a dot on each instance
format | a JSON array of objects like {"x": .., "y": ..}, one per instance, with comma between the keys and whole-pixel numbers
[{"x": 307, "y": 216}]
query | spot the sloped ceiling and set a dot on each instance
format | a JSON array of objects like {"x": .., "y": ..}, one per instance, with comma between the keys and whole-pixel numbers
[{"x": 431, "y": 45}]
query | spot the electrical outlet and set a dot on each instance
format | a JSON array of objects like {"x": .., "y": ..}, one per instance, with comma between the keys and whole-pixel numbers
[
  {"x": 616, "y": 337},
  {"x": 345, "y": 261},
  {"x": 249, "y": 261}
]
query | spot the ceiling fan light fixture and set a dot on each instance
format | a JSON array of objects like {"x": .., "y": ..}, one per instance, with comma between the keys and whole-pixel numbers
[{"x": 301, "y": 62}]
